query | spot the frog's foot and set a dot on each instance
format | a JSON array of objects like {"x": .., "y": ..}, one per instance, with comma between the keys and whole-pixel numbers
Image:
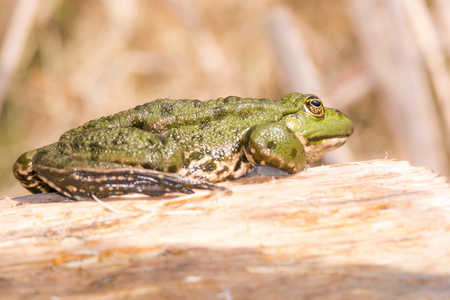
[{"x": 82, "y": 184}]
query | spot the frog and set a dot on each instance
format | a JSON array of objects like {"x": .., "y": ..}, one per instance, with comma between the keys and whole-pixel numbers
[{"x": 178, "y": 146}]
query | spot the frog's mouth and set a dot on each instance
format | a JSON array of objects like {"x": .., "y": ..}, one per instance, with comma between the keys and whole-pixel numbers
[
  {"x": 317, "y": 147},
  {"x": 321, "y": 138}
]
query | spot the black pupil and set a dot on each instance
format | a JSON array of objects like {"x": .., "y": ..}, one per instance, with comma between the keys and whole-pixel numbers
[{"x": 316, "y": 103}]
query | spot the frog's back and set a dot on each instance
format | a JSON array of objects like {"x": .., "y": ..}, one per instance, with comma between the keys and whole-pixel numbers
[
  {"x": 163, "y": 115},
  {"x": 231, "y": 105}
]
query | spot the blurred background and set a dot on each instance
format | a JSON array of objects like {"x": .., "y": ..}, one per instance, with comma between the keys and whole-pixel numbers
[{"x": 385, "y": 63}]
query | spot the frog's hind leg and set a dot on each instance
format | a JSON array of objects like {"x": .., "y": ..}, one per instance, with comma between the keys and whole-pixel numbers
[
  {"x": 27, "y": 176},
  {"x": 83, "y": 184},
  {"x": 110, "y": 162}
]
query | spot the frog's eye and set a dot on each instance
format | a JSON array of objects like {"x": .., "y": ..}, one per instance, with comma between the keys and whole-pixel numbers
[{"x": 314, "y": 106}]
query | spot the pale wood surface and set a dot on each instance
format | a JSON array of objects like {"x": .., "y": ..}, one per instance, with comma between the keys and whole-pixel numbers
[{"x": 364, "y": 230}]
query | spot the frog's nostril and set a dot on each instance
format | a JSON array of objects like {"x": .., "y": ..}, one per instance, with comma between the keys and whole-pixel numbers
[{"x": 338, "y": 111}]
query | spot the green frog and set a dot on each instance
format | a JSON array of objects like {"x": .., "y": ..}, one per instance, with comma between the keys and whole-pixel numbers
[{"x": 179, "y": 145}]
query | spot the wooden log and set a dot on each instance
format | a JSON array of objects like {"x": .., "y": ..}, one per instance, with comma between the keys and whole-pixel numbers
[{"x": 364, "y": 230}]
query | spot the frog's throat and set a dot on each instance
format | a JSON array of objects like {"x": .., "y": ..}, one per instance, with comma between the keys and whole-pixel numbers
[{"x": 316, "y": 149}]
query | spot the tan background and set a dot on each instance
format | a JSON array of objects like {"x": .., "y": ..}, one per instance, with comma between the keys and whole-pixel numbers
[{"x": 384, "y": 63}]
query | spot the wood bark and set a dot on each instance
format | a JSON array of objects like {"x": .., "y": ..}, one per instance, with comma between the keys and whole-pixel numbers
[{"x": 365, "y": 230}]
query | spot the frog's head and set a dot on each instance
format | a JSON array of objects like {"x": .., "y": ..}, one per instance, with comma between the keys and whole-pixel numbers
[{"x": 320, "y": 129}]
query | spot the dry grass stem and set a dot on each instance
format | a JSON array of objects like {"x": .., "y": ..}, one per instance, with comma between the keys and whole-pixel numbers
[{"x": 15, "y": 41}]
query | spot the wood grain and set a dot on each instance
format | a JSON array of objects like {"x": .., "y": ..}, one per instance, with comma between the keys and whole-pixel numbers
[{"x": 373, "y": 229}]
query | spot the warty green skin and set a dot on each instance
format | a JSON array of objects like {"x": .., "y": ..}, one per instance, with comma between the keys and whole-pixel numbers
[{"x": 179, "y": 145}]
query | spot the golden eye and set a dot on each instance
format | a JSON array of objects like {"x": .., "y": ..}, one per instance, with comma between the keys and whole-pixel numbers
[{"x": 314, "y": 106}]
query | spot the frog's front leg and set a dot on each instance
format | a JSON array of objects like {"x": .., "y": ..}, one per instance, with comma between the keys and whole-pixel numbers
[{"x": 273, "y": 144}]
